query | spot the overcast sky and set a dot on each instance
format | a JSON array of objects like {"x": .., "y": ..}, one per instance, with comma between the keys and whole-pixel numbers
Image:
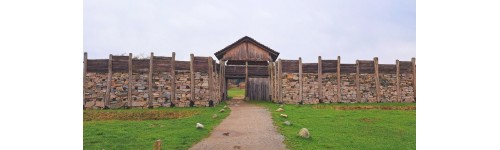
[{"x": 352, "y": 29}]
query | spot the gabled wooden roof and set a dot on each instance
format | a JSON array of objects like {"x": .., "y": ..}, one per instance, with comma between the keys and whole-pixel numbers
[{"x": 274, "y": 54}]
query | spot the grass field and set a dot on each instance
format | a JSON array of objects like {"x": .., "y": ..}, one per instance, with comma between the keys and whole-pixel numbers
[
  {"x": 140, "y": 128},
  {"x": 348, "y": 126},
  {"x": 235, "y": 92}
]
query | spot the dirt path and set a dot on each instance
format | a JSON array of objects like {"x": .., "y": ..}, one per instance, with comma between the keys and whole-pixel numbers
[{"x": 249, "y": 127}]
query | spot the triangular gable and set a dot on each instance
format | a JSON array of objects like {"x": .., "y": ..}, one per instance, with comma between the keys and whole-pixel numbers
[{"x": 273, "y": 54}]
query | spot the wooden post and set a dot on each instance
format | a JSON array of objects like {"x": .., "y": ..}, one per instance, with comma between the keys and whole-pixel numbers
[
  {"x": 397, "y": 81},
  {"x": 84, "y": 75},
  {"x": 191, "y": 67},
  {"x": 130, "y": 80},
  {"x": 339, "y": 90},
  {"x": 223, "y": 79},
  {"x": 270, "y": 78},
  {"x": 414, "y": 71},
  {"x": 320, "y": 79},
  {"x": 157, "y": 145},
  {"x": 108, "y": 86},
  {"x": 358, "y": 93},
  {"x": 246, "y": 80},
  {"x": 150, "y": 81},
  {"x": 172, "y": 69},
  {"x": 377, "y": 79},
  {"x": 210, "y": 77},
  {"x": 280, "y": 88},
  {"x": 301, "y": 98}
]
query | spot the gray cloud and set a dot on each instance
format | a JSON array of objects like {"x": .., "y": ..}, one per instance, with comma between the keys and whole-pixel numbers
[{"x": 354, "y": 29}]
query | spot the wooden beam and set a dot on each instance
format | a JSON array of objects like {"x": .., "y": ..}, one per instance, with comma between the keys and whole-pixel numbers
[
  {"x": 358, "y": 93},
  {"x": 339, "y": 90},
  {"x": 320, "y": 79},
  {"x": 210, "y": 71},
  {"x": 191, "y": 67},
  {"x": 150, "y": 81},
  {"x": 397, "y": 82},
  {"x": 280, "y": 88},
  {"x": 84, "y": 75},
  {"x": 301, "y": 98},
  {"x": 414, "y": 72},
  {"x": 130, "y": 80},
  {"x": 223, "y": 79},
  {"x": 377, "y": 79},
  {"x": 246, "y": 79},
  {"x": 172, "y": 72},
  {"x": 108, "y": 86},
  {"x": 270, "y": 79}
]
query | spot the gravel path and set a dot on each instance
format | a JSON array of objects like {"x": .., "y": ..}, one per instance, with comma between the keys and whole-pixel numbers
[{"x": 249, "y": 127}]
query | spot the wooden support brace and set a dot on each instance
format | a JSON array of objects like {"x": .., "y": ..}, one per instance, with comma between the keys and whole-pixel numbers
[
  {"x": 130, "y": 80},
  {"x": 414, "y": 72},
  {"x": 150, "y": 81},
  {"x": 280, "y": 88},
  {"x": 377, "y": 80},
  {"x": 398, "y": 92},
  {"x": 358, "y": 93},
  {"x": 108, "y": 86},
  {"x": 84, "y": 75},
  {"x": 191, "y": 67},
  {"x": 320, "y": 79},
  {"x": 173, "y": 79},
  {"x": 339, "y": 86},
  {"x": 210, "y": 77},
  {"x": 301, "y": 98}
]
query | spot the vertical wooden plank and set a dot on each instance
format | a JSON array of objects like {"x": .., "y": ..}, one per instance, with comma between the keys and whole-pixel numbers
[
  {"x": 210, "y": 78},
  {"x": 172, "y": 69},
  {"x": 246, "y": 80},
  {"x": 339, "y": 97},
  {"x": 130, "y": 80},
  {"x": 320, "y": 79},
  {"x": 191, "y": 68},
  {"x": 358, "y": 93},
  {"x": 414, "y": 71},
  {"x": 150, "y": 81},
  {"x": 157, "y": 145},
  {"x": 270, "y": 78},
  {"x": 280, "y": 88},
  {"x": 108, "y": 86},
  {"x": 377, "y": 79},
  {"x": 397, "y": 81},
  {"x": 84, "y": 75},
  {"x": 301, "y": 98},
  {"x": 223, "y": 79}
]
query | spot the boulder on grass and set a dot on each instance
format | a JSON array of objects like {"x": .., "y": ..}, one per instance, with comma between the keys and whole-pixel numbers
[
  {"x": 222, "y": 110},
  {"x": 279, "y": 109},
  {"x": 284, "y": 115},
  {"x": 304, "y": 133},
  {"x": 287, "y": 123},
  {"x": 199, "y": 126},
  {"x": 214, "y": 116}
]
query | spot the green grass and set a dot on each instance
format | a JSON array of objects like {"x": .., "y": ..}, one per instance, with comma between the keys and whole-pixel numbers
[
  {"x": 175, "y": 127},
  {"x": 235, "y": 92},
  {"x": 332, "y": 128}
]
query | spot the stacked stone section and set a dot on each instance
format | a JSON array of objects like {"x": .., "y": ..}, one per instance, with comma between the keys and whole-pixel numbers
[
  {"x": 406, "y": 82},
  {"x": 142, "y": 72},
  {"x": 347, "y": 83},
  {"x": 310, "y": 88},
  {"x": 95, "y": 89},
  {"x": 330, "y": 87},
  {"x": 388, "y": 82}
]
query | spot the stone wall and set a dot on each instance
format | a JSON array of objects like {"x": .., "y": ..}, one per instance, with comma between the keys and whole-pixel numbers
[
  {"x": 290, "y": 88},
  {"x": 140, "y": 90},
  {"x": 367, "y": 88},
  {"x": 162, "y": 87},
  {"x": 406, "y": 87},
  {"x": 388, "y": 91},
  {"x": 348, "y": 87},
  {"x": 201, "y": 89},
  {"x": 330, "y": 87},
  {"x": 118, "y": 96},
  {"x": 95, "y": 89},
  {"x": 183, "y": 88},
  {"x": 310, "y": 88}
]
